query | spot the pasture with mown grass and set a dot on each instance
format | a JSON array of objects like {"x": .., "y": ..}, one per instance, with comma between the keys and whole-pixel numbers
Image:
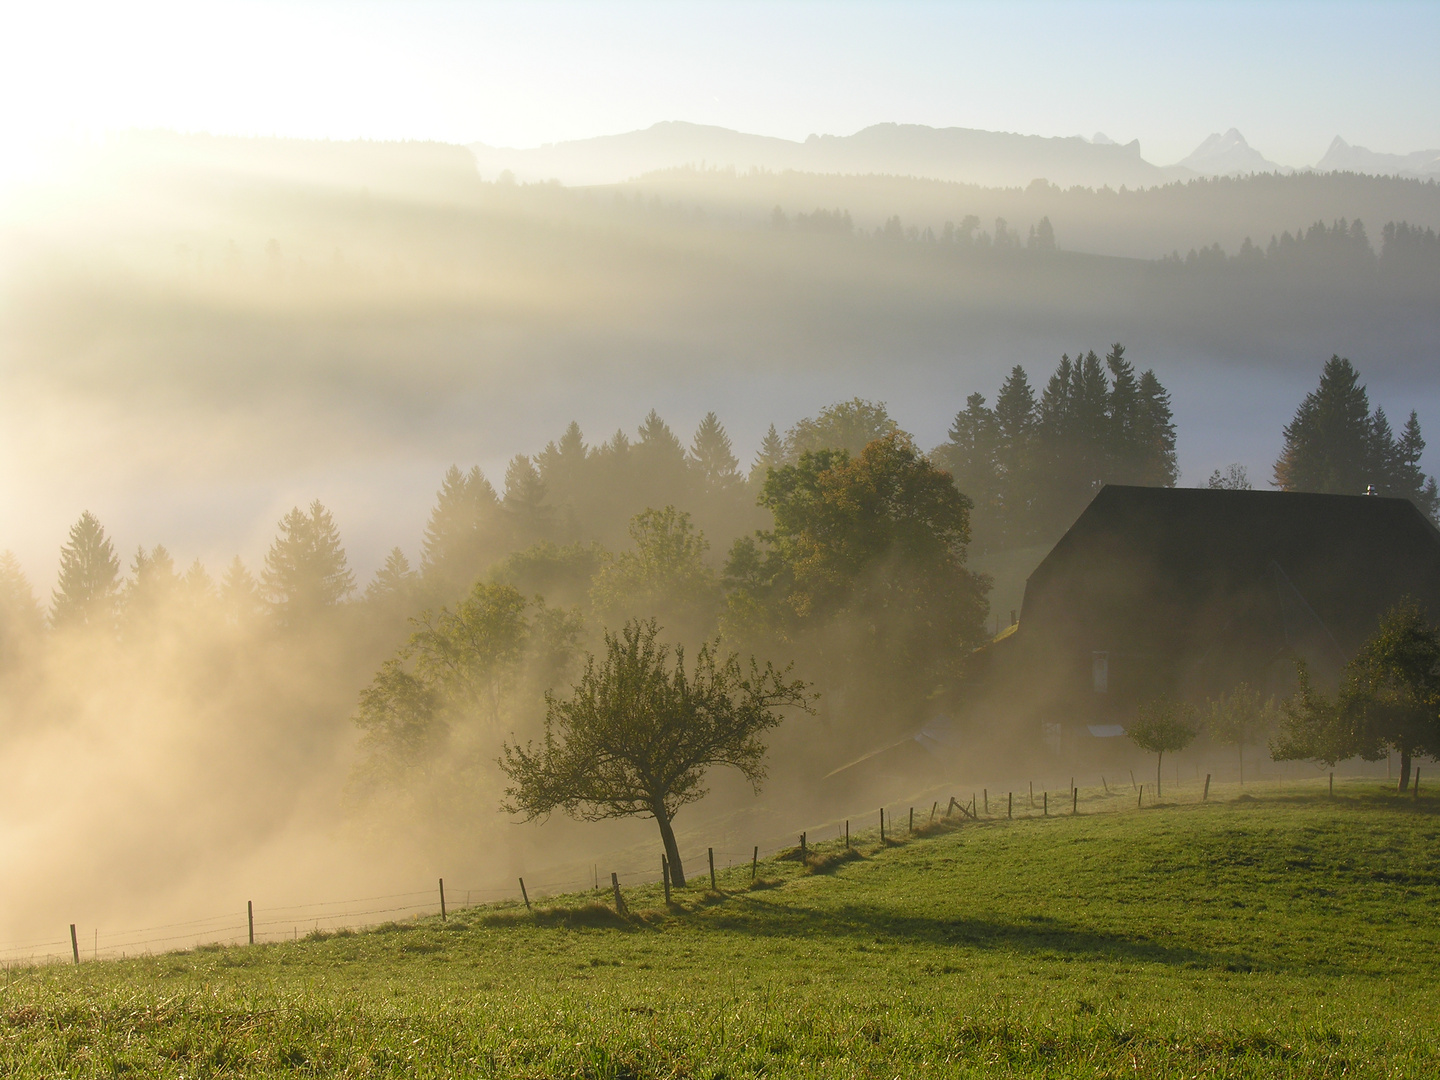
[{"x": 1274, "y": 933}]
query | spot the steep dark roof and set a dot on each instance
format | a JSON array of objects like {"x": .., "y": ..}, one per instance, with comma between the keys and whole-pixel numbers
[{"x": 1182, "y": 572}]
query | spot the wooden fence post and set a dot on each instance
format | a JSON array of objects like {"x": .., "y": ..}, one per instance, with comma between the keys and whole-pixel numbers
[
  {"x": 1132, "y": 779},
  {"x": 755, "y": 858},
  {"x": 1332, "y": 785},
  {"x": 1032, "y": 794},
  {"x": 1206, "y": 796},
  {"x": 912, "y": 819},
  {"x": 1074, "y": 799},
  {"x": 250, "y": 918},
  {"x": 74, "y": 943},
  {"x": 665, "y": 877},
  {"x": 524, "y": 895},
  {"x": 882, "y": 825},
  {"x": 711, "y": 853},
  {"x": 986, "y": 792},
  {"x": 847, "y": 834},
  {"x": 934, "y": 807},
  {"x": 442, "y": 899},
  {"x": 1103, "y": 784},
  {"x": 1010, "y": 805},
  {"x": 615, "y": 884},
  {"x": 1140, "y": 799},
  {"x": 1047, "y": 804}
]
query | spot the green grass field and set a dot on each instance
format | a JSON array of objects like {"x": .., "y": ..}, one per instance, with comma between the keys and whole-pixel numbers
[{"x": 1285, "y": 935}]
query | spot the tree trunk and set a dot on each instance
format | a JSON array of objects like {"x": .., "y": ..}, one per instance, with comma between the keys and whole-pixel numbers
[
  {"x": 1160, "y": 757},
  {"x": 1404, "y": 771},
  {"x": 672, "y": 852}
]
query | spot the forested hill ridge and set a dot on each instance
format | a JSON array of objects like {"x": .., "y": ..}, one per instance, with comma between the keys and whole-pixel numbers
[{"x": 1143, "y": 224}]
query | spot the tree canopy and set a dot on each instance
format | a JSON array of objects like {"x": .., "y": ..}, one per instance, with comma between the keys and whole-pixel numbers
[
  {"x": 638, "y": 734},
  {"x": 1388, "y": 700},
  {"x": 1162, "y": 726}
]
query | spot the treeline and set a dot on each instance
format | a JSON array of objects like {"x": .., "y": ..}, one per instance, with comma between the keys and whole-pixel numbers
[
  {"x": 1406, "y": 251},
  {"x": 968, "y": 234},
  {"x": 1031, "y": 463}
]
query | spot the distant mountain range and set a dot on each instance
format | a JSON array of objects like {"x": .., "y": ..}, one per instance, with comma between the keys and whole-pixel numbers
[{"x": 963, "y": 155}]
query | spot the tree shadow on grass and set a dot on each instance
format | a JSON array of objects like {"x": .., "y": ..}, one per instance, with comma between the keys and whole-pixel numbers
[{"x": 761, "y": 917}]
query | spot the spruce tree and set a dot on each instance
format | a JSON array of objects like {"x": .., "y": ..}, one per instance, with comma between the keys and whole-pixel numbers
[
  {"x": 89, "y": 577},
  {"x": 771, "y": 456},
  {"x": 394, "y": 582},
  {"x": 1016, "y": 418},
  {"x": 1408, "y": 481},
  {"x": 20, "y": 616},
  {"x": 1155, "y": 434},
  {"x": 661, "y": 475},
  {"x": 971, "y": 457},
  {"x": 305, "y": 569},
  {"x": 461, "y": 535},
  {"x": 240, "y": 595},
  {"x": 1329, "y": 445},
  {"x": 153, "y": 583},
  {"x": 562, "y": 467},
  {"x": 529, "y": 516},
  {"x": 712, "y": 457}
]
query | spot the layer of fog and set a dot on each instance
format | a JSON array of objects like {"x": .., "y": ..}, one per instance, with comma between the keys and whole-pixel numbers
[{"x": 167, "y": 368}]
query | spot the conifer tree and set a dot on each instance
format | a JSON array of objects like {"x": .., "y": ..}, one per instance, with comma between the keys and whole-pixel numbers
[
  {"x": 394, "y": 581},
  {"x": 661, "y": 474},
  {"x": 152, "y": 585},
  {"x": 529, "y": 515},
  {"x": 1016, "y": 419},
  {"x": 240, "y": 594},
  {"x": 1406, "y": 479},
  {"x": 305, "y": 569},
  {"x": 197, "y": 586},
  {"x": 20, "y": 616},
  {"x": 1329, "y": 443},
  {"x": 1155, "y": 434},
  {"x": 972, "y": 458},
  {"x": 89, "y": 577},
  {"x": 712, "y": 457},
  {"x": 771, "y": 456},
  {"x": 460, "y": 537},
  {"x": 562, "y": 466}
]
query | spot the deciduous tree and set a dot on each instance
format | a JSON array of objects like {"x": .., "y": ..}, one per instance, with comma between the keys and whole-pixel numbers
[
  {"x": 1162, "y": 726},
  {"x": 638, "y": 734}
]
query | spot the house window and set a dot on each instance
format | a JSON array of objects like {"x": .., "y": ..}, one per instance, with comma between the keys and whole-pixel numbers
[{"x": 1100, "y": 672}]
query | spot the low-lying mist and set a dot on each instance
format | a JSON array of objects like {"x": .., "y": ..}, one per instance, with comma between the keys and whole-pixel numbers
[{"x": 197, "y": 335}]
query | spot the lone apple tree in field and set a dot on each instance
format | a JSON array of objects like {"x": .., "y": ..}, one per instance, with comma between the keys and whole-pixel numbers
[{"x": 638, "y": 734}]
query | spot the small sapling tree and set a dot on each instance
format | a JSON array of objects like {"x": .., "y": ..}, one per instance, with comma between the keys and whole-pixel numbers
[
  {"x": 638, "y": 734},
  {"x": 1162, "y": 725},
  {"x": 1241, "y": 718}
]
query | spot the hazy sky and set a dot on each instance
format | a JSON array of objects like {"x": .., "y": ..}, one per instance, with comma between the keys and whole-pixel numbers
[{"x": 1290, "y": 76}]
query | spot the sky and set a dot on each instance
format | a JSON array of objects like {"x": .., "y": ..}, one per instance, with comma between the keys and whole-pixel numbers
[{"x": 1290, "y": 76}]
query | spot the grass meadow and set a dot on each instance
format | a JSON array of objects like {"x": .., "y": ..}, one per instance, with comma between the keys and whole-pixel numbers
[{"x": 1278, "y": 933}]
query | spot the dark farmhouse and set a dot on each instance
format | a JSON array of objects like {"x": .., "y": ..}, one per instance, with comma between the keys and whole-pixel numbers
[{"x": 1187, "y": 592}]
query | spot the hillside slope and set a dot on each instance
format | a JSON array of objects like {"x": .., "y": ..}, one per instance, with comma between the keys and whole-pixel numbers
[{"x": 1270, "y": 937}]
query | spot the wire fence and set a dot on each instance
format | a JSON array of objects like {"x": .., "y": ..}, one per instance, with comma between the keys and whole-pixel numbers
[{"x": 289, "y": 922}]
